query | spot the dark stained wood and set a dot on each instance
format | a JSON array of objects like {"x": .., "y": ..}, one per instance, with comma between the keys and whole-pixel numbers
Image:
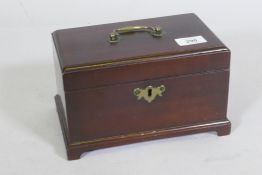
[
  {"x": 161, "y": 68},
  {"x": 89, "y": 45},
  {"x": 114, "y": 110},
  {"x": 222, "y": 127},
  {"x": 96, "y": 105}
]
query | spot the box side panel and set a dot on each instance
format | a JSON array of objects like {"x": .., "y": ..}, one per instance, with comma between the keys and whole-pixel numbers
[
  {"x": 59, "y": 83},
  {"x": 141, "y": 71},
  {"x": 114, "y": 110}
]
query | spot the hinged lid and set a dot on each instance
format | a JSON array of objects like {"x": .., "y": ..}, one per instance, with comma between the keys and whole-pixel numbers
[{"x": 88, "y": 47}]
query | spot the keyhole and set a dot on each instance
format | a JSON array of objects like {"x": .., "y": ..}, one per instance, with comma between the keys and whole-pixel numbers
[{"x": 149, "y": 92}]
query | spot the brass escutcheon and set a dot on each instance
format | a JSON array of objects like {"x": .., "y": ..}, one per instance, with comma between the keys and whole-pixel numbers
[{"x": 149, "y": 93}]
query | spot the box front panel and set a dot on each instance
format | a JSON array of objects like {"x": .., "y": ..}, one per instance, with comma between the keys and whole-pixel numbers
[{"x": 115, "y": 110}]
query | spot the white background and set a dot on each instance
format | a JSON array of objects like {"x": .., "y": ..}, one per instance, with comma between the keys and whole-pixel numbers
[{"x": 30, "y": 136}]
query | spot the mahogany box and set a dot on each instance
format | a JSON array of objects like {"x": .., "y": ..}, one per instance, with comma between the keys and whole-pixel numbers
[{"x": 139, "y": 80}]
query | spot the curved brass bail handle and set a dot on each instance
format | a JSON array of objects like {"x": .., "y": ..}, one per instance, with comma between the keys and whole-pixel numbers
[{"x": 115, "y": 35}]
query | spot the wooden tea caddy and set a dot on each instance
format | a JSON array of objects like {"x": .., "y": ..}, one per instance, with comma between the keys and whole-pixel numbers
[{"x": 139, "y": 80}]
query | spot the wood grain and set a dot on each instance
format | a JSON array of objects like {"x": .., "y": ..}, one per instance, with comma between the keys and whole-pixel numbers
[{"x": 96, "y": 104}]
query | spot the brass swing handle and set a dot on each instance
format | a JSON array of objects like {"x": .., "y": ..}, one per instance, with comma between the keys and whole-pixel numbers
[{"x": 115, "y": 35}]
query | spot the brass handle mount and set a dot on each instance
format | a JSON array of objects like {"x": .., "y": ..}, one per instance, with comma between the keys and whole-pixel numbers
[
  {"x": 114, "y": 36},
  {"x": 149, "y": 93}
]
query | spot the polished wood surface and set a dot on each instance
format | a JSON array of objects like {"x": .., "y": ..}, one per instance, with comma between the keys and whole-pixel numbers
[
  {"x": 114, "y": 110},
  {"x": 89, "y": 45},
  {"x": 74, "y": 151},
  {"x": 96, "y": 105},
  {"x": 143, "y": 71}
]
